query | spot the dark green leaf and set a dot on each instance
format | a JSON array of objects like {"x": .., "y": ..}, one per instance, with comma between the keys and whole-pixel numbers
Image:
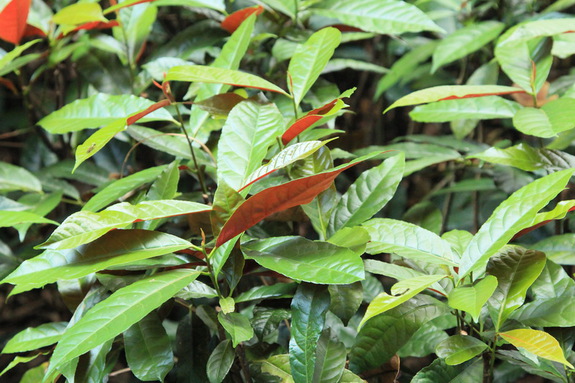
[
  {"x": 220, "y": 361},
  {"x": 278, "y": 290},
  {"x": 438, "y": 371},
  {"x": 330, "y": 358},
  {"x": 345, "y": 300}
]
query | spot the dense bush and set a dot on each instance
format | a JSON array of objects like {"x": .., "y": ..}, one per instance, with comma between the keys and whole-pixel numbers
[{"x": 175, "y": 172}]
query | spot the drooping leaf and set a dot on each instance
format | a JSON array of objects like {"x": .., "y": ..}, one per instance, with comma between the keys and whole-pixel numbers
[
  {"x": 309, "y": 59},
  {"x": 401, "y": 292},
  {"x": 99, "y": 110},
  {"x": 452, "y": 92},
  {"x": 14, "y": 177},
  {"x": 537, "y": 342},
  {"x": 516, "y": 269},
  {"x": 206, "y": 74},
  {"x": 148, "y": 350},
  {"x": 465, "y": 41},
  {"x": 13, "y": 20},
  {"x": 19, "y": 359},
  {"x": 115, "y": 248},
  {"x": 330, "y": 359},
  {"x": 117, "y": 313},
  {"x": 471, "y": 299},
  {"x": 511, "y": 216},
  {"x": 13, "y": 218},
  {"x": 378, "y": 16},
  {"x": 477, "y": 108},
  {"x": 305, "y": 260},
  {"x": 238, "y": 326},
  {"x": 458, "y": 349},
  {"x": 220, "y": 361},
  {"x": 249, "y": 131},
  {"x": 234, "y": 20},
  {"x": 278, "y": 198},
  {"x": 35, "y": 337},
  {"x": 525, "y": 157},
  {"x": 407, "y": 240},
  {"x": 368, "y": 194},
  {"x": 385, "y": 334},
  {"x": 85, "y": 226},
  {"x": 309, "y": 307}
]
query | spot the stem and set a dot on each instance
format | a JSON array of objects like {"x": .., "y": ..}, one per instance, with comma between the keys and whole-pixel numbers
[{"x": 198, "y": 170}]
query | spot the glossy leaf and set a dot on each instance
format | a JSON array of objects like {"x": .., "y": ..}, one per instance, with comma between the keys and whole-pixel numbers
[
  {"x": 385, "y": 334},
  {"x": 79, "y": 13},
  {"x": 115, "y": 248},
  {"x": 278, "y": 198},
  {"x": 309, "y": 307},
  {"x": 14, "y": 177},
  {"x": 85, "y": 226},
  {"x": 459, "y": 348},
  {"x": 311, "y": 261},
  {"x": 278, "y": 366},
  {"x": 220, "y": 361},
  {"x": 401, "y": 292},
  {"x": 206, "y": 74},
  {"x": 407, "y": 240},
  {"x": 13, "y": 20},
  {"x": 330, "y": 359},
  {"x": 516, "y": 269},
  {"x": 527, "y": 158},
  {"x": 99, "y": 110},
  {"x": 148, "y": 349},
  {"x": 284, "y": 158},
  {"x": 234, "y": 20},
  {"x": 238, "y": 326},
  {"x": 311, "y": 118},
  {"x": 537, "y": 342},
  {"x": 277, "y": 290},
  {"x": 309, "y": 59},
  {"x": 471, "y": 299},
  {"x": 35, "y": 337},
  {"x": 378, "y": 16},
  {"x": 452, "y": 92},
  {"x": 13, "y": 218},
  {"x": 438, "y": 371},
  {"x": 465, "y": 41},
  {"x": 479, "y": 108},
  {"x": 249, "y": 131},
  {"x": 368, "y": 194},
  {"x": 511, "y": 216},
  {"x": 117, "y": 313}
]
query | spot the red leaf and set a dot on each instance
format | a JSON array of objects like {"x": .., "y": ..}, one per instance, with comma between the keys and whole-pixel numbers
[
  {"x": 33, "y": 31},
  {"x": 13, "y": 20},
  {"x": 97, "y": 25},
  {"x": 278, "y": 198},
  {"x": 306, "y": 121},
  {"x": 156, "y": 106},
  {"x": 233, "y": 21},
  {"x": 9, "y": 84},
  {"x": 481, "y": 95},
  {"x": 347, "y": 28}
]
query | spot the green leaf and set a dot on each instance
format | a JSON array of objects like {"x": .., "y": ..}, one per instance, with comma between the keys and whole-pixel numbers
[
  {"x": 9, "y": 57},
  {"x": 115, "y": 248},
  {"x": 14, "y": 177},
  {"x": 117, "y": 313},
  {"x": 79, "y": 14},
  {"x": 309, "y": 307},
  {"x": 305, "y": 260},
  {"x": 553, "y": 282},
  {"x": 407, "y": 240},
  {"x": 368, "y": 194},
  {"x": 452, "y": 92},
  {"x": 558, "y": 248},
  {"x": 459, "y": 348},
  {"x": 249, "y": 131},
  {"x": 219, "y": 255},
  {"x": 309, "y": 60},
  {"x": 166, "y": 185},
  {"x": 354, "y": 238},
  {"x": 465, "y": 41},
  {"x": 96, "y": 366},
  {"x": 237, "y": 325},
  {"x": 390, "y": 270},
  {"x": 345, "y": 300},
  {"x": 226, "y": 201},
  {"x": 477, "y": 108},
  {"x": 516, "y": 269},
  {"x": 527, "y": 158},
  {"x": 438, "y": 371},
  {"x": 330, "y": 358},
  {"x": 206, "y": 74},
  {"x": 85, "y": 226},
  {"x": 553, "y": 118},
  {"x": 537, "y": 342},
  {"x": 550, "y": 312},
  {"x": 277, "y": 290},
  {"x": 98, "y": 140},
  {"x": 13, "y": 218},
  {"x": 378, "y": 16},
  {"x": 385, "y": 334},
  {"x": 35, "y": 337},
  {"x": 220, "y": 361},
  {"x": 121, "y": 187},
  {"x": 471, "y": 299},
  {"x": 135, "y": 26},
  {"x": 350, "y": 377},
  {"x": 266, "y": 322},
  {"x": 401, "y": 292},
  {"x": 99, "y": 110},
  {"x": 148, "y": 349},
  {"x": 510, "y": 217},
  {"x": 20, "y": 359},
  {"x": 278, "y": 366}
]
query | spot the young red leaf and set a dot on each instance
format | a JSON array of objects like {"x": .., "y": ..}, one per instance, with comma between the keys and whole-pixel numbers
[
  {"x": 13, "y": 20},
  {"x": 97, "y": 25},
  {"x": 160, "y": 104},
  {"x": 233, "y": 21},
  {"x": 278, "y": 198},
  {"x": 306, "y": 121},
  {"x": 31, "y": 31}
]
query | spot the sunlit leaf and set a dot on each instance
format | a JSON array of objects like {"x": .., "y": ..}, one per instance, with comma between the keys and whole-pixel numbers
[
  {"x": 13, "y": 218},
  {"x": 471, "y": 299},
  {"x": 14, "y": 177},
  {"x": 553, "y": 118},
  {"x": 35, "y": 337},
  {"x": 537, "y": 342},
  {"x": 79, "y": 13},
  {"x": 480, "y": 108}
]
